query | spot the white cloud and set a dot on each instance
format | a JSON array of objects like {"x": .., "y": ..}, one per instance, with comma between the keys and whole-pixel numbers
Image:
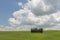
[
  {"x": 20, "y": 4},
  {"x": 13, "y": 21},
  {"x": 38, "y": 13},
  {"x": 43, "y": 7}
]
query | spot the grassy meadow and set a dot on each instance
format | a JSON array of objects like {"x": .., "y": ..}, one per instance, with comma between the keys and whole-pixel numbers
[{"x": 26, "y": 35}]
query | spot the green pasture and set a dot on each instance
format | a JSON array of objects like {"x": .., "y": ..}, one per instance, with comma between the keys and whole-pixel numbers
[{"x": 26, "y": 35}]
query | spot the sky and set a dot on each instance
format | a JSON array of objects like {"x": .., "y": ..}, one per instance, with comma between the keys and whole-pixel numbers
[
  {"x": 7, "y": 7},
  {"x": 27, "y": 14}
]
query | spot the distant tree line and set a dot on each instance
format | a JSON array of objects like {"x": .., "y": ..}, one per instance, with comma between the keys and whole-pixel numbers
[{"x": 40, "y": 30}]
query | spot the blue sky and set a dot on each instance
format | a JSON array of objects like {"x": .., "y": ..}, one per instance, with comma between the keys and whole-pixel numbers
[{"x": 7, "y": 7}]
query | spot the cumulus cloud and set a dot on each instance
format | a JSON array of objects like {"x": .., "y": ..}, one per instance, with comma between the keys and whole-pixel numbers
[
  {"x": 13, "y": 21},
  {"x": 43, "y": 7},
  {"x": 38, "y": 13}
]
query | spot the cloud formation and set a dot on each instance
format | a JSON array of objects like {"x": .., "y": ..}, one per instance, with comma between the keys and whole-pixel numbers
[
  {"x": 38, "y": 13},
  {"x": 43, "y": 7}
]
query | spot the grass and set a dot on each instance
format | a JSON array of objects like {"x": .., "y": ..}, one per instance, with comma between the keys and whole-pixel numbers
[{"x": 25, "y": 35}]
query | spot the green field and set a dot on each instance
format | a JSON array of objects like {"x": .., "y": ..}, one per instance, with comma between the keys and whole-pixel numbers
[{"x": 25, "y": 35}]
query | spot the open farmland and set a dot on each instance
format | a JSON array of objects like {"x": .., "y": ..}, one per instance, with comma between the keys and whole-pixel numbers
[{"x": 26, "y": 35}]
